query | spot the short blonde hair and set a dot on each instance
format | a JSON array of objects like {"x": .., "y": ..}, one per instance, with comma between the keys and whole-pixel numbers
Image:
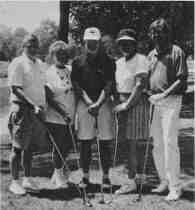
[{"x": 56, "y": 47}]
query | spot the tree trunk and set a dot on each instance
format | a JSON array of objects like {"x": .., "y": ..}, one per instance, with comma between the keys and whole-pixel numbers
[{"x": 64, "y": 20}]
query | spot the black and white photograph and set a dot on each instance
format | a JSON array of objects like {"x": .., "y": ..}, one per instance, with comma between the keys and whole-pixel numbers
[{"x": 97, "y": 105}]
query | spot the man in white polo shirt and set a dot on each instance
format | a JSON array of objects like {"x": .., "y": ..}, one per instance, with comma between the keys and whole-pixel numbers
[{"x": 26, "y": 81}]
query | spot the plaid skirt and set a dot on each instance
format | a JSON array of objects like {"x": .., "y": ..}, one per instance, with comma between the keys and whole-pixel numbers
[{"x": 134, "y": 122}]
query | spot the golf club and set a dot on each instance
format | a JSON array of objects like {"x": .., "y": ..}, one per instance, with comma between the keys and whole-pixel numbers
[{"x": 145, "y": 156}]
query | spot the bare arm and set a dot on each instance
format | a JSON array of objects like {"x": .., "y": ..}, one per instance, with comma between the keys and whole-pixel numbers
[
  {"x": 80, "y": 93},
  {"x": 86, "y": 98},
  {"x": 105, "y": 93},
  {"x": 173, "y": 88},
  {"x": 136, "y": 93},
  {"x": 18, "y": 91}
]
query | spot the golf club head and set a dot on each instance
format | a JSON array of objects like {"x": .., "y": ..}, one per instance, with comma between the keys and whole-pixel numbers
[
  {"x": 105, "y": 201},
  {"x": 87, "y": 203},
  {"x": 138, "y": 199},
  {"x": 102, "y": 201}
]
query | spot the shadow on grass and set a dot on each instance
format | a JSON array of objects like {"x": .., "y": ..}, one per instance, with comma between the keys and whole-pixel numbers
[
  {"x": 96, "y": 188},
  {"x": 67, "y": 194},
  {"x": 186, "y": 195},
  {"x": 70, "y": 193},
  {"x": 58, "y": 194}
]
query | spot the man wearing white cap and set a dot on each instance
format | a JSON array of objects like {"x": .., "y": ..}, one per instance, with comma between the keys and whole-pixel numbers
[{"x": 93, "y": 74}]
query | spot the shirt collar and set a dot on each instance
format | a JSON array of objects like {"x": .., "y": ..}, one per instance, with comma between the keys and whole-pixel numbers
[
  {"x": 166, "y": 51},
  {"x": 28, "y": 59}
]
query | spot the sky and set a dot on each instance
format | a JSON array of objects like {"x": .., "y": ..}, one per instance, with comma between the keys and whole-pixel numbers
[{"x": 27, "y": 14}]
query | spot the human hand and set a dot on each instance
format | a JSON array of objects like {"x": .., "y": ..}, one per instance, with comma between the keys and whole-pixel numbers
[
  {"x": 154, "y": 99},
  {"x": 67, "y": 119},
  {"x": 93, "y": 109},
  {"x": 120, "y": 107},
  {"x": 39, "y": 112}
]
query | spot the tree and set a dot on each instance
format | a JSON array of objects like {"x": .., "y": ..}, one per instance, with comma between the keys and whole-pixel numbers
[
  {"x": 110, "y": 17},
  {"x": 18, "y": 37},
  {"x": 6, "y": 47},
  {"x": 47, "y": 33},
  {"x": 10, "y": 42},
  {"x": 64, "y": 20}
]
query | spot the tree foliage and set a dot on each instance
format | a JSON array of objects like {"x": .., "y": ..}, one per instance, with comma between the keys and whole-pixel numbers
[
  {"x": 47, "y": 33},
  {"x": 10, "y": 42},
  {"x": 63, "y": 20},
  {"x": 110, "y": 17}
]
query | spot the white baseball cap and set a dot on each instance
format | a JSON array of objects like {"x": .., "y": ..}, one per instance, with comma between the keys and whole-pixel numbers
[{"x": 92, "y": 33}]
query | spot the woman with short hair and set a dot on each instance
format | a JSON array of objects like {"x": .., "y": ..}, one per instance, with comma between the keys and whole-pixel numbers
[
  {"x": 133, "y": 107},
  {"x": 168, "y": 82},
  {"x": 61, "y": 106}
]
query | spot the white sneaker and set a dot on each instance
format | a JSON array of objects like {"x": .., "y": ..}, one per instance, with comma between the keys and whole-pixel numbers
[
  {"x": 173, "y": 195},
  {"x": 16, "y": 188},
  {"x": 127, "y": 188},
  {"x": 59, "y": 179},
  {"x": 29, "y": 184},
  {"x": 163, "y": 186}
]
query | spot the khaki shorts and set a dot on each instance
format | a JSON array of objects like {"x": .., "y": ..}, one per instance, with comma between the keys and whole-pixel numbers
[
  {"x": 26, "y": 130},
  {"x": 85, "y": 123}
]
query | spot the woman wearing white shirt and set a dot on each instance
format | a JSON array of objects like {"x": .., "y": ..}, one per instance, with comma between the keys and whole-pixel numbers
[
  {"x": 131, "y": 74},
  {"x": 61, "y": 106}
]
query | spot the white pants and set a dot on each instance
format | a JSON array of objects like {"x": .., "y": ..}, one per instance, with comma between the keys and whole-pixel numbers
[{"x": 164, "y": 130}]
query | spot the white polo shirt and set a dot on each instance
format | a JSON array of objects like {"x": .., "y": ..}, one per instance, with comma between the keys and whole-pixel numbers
[
  {"x": 127, "y": 71},
  {"x": 60, "y": 83},
  {"x": 30, "y": 76}
]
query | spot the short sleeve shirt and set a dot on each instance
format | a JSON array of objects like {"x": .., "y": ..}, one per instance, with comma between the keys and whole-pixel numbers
[
  {"x": 30, "y": 76},
  {"x": 93, "y": 76},
  {"x": 165, "y": 69},
  {"x": 127, "y": 71},
  {"x": 59, "y": 82}
]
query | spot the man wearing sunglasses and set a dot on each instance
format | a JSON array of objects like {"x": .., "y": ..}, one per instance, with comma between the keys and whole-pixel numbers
[{"x": 26, "y": 82}]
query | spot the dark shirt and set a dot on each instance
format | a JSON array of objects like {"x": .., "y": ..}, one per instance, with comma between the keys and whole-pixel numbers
[
  {"x": 165, "y": 68},
  {"x": 94, "y": 75}
]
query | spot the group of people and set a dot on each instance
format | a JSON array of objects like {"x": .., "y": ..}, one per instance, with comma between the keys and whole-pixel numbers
[{"x": 89, "y": 93}]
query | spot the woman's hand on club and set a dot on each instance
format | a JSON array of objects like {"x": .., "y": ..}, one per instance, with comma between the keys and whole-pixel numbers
[
  {"x": 154, "y": 99},
  {"x": 94, "y": 109},
  {"x": 121, "y": 107},
  {"x": 67, "y": 119}
]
